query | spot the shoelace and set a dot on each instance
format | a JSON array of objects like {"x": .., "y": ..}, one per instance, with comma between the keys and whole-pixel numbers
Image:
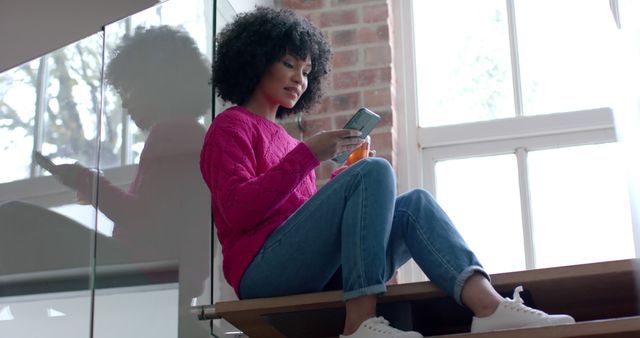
[
  {"x": 518, "y": 304},
  {"x": 381, "y": 325}
]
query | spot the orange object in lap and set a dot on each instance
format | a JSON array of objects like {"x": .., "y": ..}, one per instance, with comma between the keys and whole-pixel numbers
[{"x": 359, "y": 153}]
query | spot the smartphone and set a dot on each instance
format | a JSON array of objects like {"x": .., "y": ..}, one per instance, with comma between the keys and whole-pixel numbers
[
  {"x": 44, "y": 161},
  {"x": 363, "y": 120}
]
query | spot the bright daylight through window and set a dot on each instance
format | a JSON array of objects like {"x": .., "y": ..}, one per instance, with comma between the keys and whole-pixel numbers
[
  {"x": 515, "y": 127},
  {"x": 53, "y": 104}
]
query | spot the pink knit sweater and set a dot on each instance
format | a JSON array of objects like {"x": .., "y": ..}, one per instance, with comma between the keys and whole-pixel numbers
[{"x": 258, "y": 176}]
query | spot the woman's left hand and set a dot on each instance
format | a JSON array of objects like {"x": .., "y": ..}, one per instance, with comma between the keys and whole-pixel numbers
[{"x": 372, "y": 153}]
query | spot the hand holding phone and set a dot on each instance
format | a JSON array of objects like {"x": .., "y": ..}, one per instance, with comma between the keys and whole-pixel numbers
[
  {"x": 44, "y": 162},
  {"x": 66, "y": 173},
  {"x": 363, "y": 120}
]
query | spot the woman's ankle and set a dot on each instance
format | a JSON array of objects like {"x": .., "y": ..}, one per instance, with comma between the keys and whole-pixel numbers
[
  {"x": 351, "y": 326},
  {"x": 357, "y": 311},
  {"x": 479, "y": 296}
]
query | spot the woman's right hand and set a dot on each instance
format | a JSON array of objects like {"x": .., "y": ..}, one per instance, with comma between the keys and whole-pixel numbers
[
  {"x": 68, "y": 174},
  {"x": 329, "y": 144}
]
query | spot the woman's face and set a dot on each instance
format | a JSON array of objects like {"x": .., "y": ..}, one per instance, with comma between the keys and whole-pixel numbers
[
  {"x": 139, "y": 108},
  {"x": 285, "y": 81}
]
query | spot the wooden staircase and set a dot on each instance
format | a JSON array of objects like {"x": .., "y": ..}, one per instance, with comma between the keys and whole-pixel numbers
[{"x": 602, "y": 297}]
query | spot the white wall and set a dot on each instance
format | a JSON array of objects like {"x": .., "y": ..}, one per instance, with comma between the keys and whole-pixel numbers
[{"x": 30, "y": 28}]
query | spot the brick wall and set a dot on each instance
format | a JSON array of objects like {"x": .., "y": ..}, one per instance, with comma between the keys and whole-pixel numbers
[{"x": 359, "y": 32}]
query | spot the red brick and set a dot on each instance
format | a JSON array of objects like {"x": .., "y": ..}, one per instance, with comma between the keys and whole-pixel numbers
[
  {"x": 387, "y": 117},
  {"x": 382, "y": 143},
  {"x": 377, "y": 76},
  {"x": 342, "y": 102},
  {"x": 345, "y": 80},
  {"x": 350, "y": 37},
  {"x": 341, "y": 120},
  {"x": 362, "y": 78},
  {"x": 303, "y": 4},
  {"x": 314, "y": 125},
  {"x": 345, "y": 58},
  {"x": 377, "y": 97},
  {"x": 376, "y": 13},
  {"x": 373, "y": 34},
  {"x": 338, "y": 18},
  {"x": 322, "y": 107},
  {"x": 379, "y": 55},
  {"x": 314, "y": 17},
  {"x": 351, "y": 2},
  {"x": 345, "y": 37}
]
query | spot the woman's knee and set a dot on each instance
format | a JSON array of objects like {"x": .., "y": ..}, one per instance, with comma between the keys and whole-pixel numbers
[
  {"x": 378, "y": 166},
  {"x": 420, "y": 194},
  {"x": 378, "y": 172},
  {"x": 417, "y": 198}
]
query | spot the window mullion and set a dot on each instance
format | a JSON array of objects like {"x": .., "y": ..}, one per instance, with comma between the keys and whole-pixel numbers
[
  {"x": 525, "y": 207},
  {"x": 515, "y": 59},
  {"x": 127, "y": 139},
  {"x": 41, "y": 107},
  {"x": 125, "y": 148},
  {"x": 615, "y": 11}
]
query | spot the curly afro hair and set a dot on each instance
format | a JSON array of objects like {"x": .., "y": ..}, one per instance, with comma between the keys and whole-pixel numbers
[
  {"x": 162, "y": 64},
  {"x": 255, "y": 40}
]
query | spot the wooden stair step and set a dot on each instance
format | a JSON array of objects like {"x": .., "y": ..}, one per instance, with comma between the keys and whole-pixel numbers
[
  {"x": 588, "y": 292},
  {"x": 627, "y": 327}
]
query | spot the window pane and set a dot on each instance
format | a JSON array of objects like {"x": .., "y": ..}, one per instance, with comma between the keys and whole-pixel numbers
[
  {"x": 565, "y": 54},
  {"x": 73, "y": 93},
  {"x": 628, "y": 120},
  {"x": 59, "y": 93},
  {"x": 580, "y": 205},
  {"x": 629, "y": 15},
  {"x": 463, "y": 67},
  {"x": 18, "y": 97},
  {"x": 481, "y": 196}
]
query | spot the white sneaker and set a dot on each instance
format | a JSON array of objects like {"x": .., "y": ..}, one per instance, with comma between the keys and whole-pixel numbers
[
  {"x": 513, "y": 314},
  {"x": 378, "y": 327}
]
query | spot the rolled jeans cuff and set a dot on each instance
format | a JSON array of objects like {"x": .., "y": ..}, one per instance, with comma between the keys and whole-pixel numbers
[
  {"x": 462, "y": 278},
  {"x": 369, "y": 290}
]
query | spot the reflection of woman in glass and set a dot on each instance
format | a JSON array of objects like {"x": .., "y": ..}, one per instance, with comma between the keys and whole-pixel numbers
[
  {"x": 279, "y": 235},
  {"x": 162, "y": 79}
]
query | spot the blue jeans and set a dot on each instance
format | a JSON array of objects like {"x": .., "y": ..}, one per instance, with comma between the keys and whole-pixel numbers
[{"x": 356, "y": 224}]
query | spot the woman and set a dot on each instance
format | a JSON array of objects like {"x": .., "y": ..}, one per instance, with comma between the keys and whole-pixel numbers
[{"x": 279, "y": 235}]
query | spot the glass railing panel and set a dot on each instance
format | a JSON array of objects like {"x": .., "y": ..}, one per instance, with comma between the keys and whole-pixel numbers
[
  {"x": 157, "y": 95},
  {"x": 49, "y": 106}
]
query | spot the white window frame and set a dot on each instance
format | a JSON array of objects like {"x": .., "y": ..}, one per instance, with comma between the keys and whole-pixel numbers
[
  {"x": 420, "y": 148},
  {"x": 45, "y": 190}
]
